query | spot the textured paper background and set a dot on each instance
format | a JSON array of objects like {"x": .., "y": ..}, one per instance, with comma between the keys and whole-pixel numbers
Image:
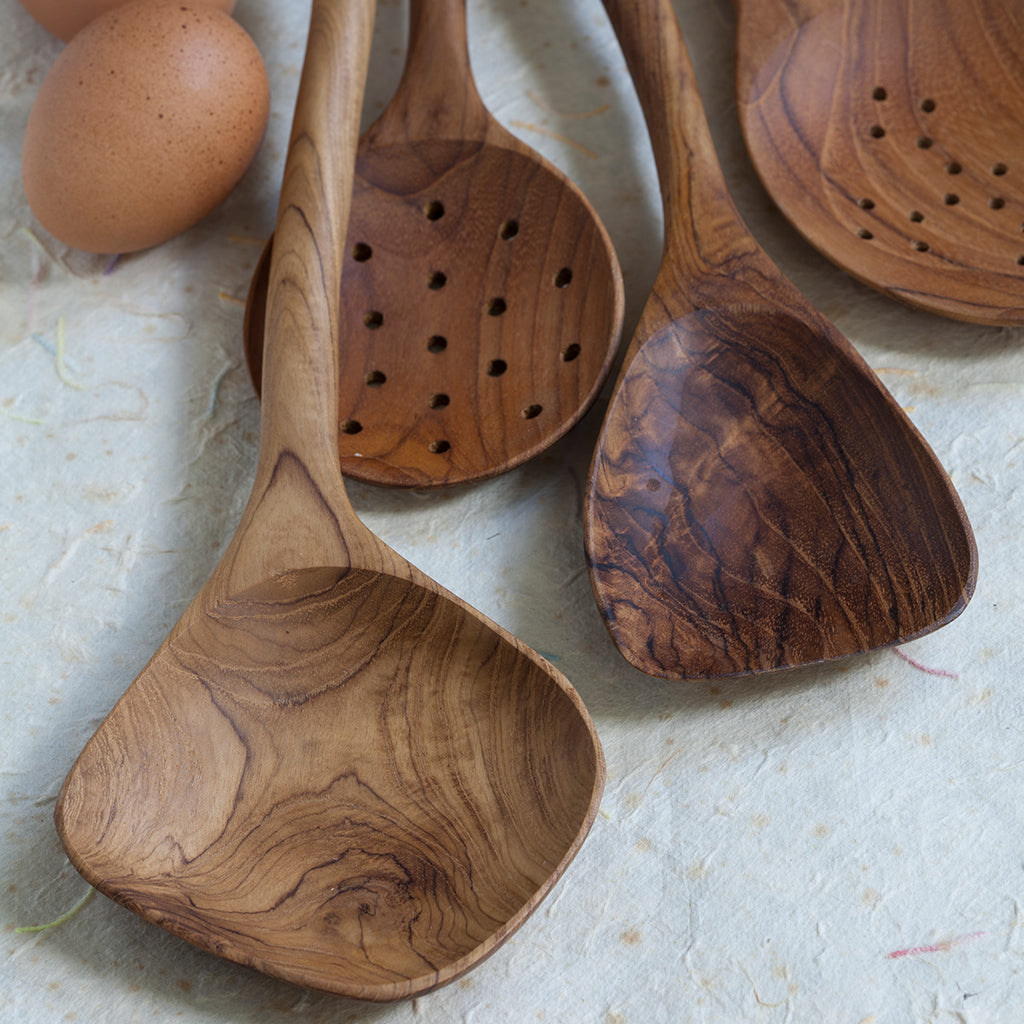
[{"x": 839, "y": 845}]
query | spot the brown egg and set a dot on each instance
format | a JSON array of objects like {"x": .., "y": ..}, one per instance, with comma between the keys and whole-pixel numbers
[
  {"x": 64, "y": 18},
  {"x": 144, "y": 124}
]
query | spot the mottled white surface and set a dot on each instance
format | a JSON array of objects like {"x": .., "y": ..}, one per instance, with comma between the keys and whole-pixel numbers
[{"x": 764, "y": 847}]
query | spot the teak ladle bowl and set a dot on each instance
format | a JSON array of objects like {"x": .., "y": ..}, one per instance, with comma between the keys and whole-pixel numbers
[
  {"x": 757, "y": 499},
  {"x": 889, "y": 133},
  {"x": 332, "y": 770},
  {"x": 482, "y": 300}
]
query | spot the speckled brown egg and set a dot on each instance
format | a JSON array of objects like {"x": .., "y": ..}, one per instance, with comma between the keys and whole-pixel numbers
[
  {"x": 144, "y": 124},
  {"x": 64, "y": 18}
]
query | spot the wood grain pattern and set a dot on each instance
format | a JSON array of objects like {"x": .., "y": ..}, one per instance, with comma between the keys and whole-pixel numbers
[
  {"x": 757, "y": 500},
  {"x": 482, "y": 299},
  {"x": 332, "y": 770},
  {"x": 888, "y": 132}
]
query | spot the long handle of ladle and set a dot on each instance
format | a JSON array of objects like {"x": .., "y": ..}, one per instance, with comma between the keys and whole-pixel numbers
[
  {"x": 299, "y": 408},
  {"x": 703, "y": 230}
]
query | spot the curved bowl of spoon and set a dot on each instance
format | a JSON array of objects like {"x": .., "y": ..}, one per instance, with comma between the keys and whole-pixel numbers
[
  {"x": 757, "y": 500},
  {"x": 482, "y": 299},
  {"x": 332, "y": 770},
  {"x": 888, "y": 133}
]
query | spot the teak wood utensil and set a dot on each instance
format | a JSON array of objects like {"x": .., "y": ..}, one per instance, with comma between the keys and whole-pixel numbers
[
  {"x": 756, "y": 499},
  {"x": 482, "y": 299},
  {"x": 332, "y": 770},
  {"x": 889, "y": 133}
]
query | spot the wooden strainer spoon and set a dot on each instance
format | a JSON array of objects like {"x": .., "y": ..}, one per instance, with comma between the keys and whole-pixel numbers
[
  {"x": 889, "y": 133},
  {"x": 757, "y": 499},
  {"x": 332, "y": 770},
  {"x": 482, "y": 299}
]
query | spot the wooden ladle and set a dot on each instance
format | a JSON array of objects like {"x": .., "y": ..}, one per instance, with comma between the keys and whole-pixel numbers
[
  {"x": 889, "y": 133},
  {"x": 757, "y": 499},
  {"x": 482, "y": 299},
  {"x": 332, "y": 770}
]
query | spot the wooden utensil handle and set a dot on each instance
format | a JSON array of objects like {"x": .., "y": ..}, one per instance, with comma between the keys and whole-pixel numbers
[
  {"x": 703, "y": 230},
  {"x": 300, "y": 400},
  {"x": 298, "y": 496},
  {"x": 437, "y": 97}
]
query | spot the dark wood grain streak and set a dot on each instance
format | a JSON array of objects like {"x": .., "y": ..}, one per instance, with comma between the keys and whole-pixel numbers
[
  {"x": 854, "y": 114},
  {"x": 332, "y": 770},
  {"x": 757, "y": 500}
]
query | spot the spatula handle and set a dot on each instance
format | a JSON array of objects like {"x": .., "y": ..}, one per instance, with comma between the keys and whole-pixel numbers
[{"x": 703, "y": 230}]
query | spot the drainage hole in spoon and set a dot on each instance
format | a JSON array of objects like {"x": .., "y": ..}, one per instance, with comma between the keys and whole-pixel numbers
[
  {"x": 508, "y": 230},
  {"x": 563, "y": 278},
  {"x": 437, "y": 280},
  {"x": 438, "y": 401},
  {"x": 361, "y": 252},
  {"x": 570, "y": 353},
  {"x": 351, "y": 427},
  {"x": 439, "y": 447},
  {"x": 375, "y": 379},
  {"x": 496, "y": 307},
  {"x": 374, "y": 319},
  {"x": 877, "y": 131},
  {"x": 531, "y": 412},
  {"x": 865, "y": 204},
  {"x": 496, "y": 367},
  {"x": 434, "y": 210},
  {"x": 437, "y": 343}
]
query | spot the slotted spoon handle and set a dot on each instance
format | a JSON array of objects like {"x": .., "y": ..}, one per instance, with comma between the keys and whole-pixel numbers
[{"x": 437, "y": 97}]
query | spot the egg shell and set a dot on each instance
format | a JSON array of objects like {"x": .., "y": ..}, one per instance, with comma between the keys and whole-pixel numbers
[
  {"x": 64, "y": 18},
  {"x": 146, "y": 121}
]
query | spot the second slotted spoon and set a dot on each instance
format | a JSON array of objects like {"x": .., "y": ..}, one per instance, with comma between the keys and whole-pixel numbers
[
  {"x": 889, "y": 133},
  {"x": 482, "y": 298}
]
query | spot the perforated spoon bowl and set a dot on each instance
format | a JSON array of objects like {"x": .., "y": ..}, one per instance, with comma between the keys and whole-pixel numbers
[
  {"x": 757, "y": 499},
  {"x": 332, "y": 770},
  {"x": 482, "y": 297},
  {"x": 889, "y": 133}
]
